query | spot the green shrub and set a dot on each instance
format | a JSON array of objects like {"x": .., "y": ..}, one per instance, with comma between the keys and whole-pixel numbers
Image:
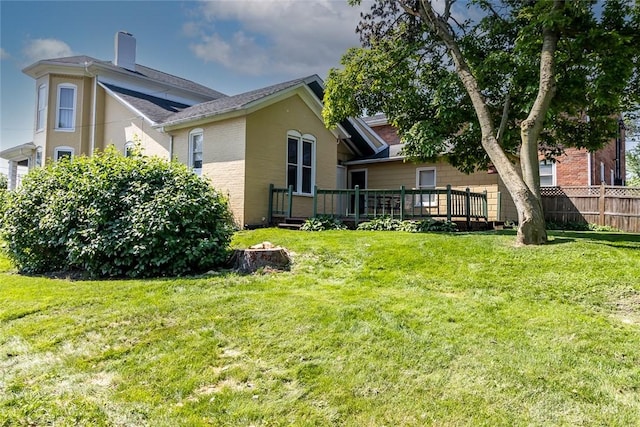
[
  {"x": 114, "y": 216},
  {"x": 386, "y": 223},
  {"x": 431, "y": 224},
  {"x": 323, "y": 222},
  {"x": 383, "y": 223}
]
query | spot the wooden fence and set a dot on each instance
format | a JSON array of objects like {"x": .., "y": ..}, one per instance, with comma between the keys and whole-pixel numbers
[{"x": 613, "y": 206}]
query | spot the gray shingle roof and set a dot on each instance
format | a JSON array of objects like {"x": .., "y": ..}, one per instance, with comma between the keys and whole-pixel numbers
[
  {"x": 141, "y": 70},
  {"x": 154, "y": 108},
  {"x": 231, "y": 103}
]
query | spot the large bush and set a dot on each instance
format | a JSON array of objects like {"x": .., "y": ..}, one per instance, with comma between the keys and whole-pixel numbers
[{"x": 111, "y": 216}]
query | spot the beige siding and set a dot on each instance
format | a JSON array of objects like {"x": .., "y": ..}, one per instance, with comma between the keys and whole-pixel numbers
[
  {"x": 121, "y": 125},
  {"x": 394, "y": 174},
  {"x": 267, "y": 150},
  {"x": 78, "y": 139},
  {"x": 223, "y": 154}
]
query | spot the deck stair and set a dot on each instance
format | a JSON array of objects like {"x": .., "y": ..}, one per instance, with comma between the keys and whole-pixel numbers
[{"x": 291, "y": 223}]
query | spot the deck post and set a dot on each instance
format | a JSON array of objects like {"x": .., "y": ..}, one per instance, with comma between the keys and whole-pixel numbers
[
  {"x": 402, "y": 203},
  {"x": 468, "y": 208},
  {"x": 270, "y": 212},
  {"x": 485, "y": 205},
  {"x": 449, "y": 202},
  {"x": 356, "y": 207},
  {"x": 315, "y": 201},
  {"x": 290, "y": 201}
]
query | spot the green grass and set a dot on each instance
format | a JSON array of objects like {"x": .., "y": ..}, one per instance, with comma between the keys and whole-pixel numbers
[{"x": 367, "y": 329}]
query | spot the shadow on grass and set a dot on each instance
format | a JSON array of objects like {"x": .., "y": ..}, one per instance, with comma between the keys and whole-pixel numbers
[{"x": 617, "y": 240}]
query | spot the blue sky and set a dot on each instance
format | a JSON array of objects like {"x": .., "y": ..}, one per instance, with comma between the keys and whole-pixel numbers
[{"x": 232, "y": 46}]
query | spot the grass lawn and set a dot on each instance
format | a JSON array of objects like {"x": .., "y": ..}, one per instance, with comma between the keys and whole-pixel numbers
[{"x": 367, "y": 329}]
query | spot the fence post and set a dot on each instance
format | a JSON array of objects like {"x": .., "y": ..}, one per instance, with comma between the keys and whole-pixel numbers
[
  {"x": 468, "y": 208},
  {"x": 356, "y": 207},
  {"x": 601, "y": 204},
  {"x": 315, "y": 201},
  {"x": 270, "y": 212},
  {"x": 402, "y": 203},
  {"x": 449, "y": 202},
  {"x": 290, "y": 200}
]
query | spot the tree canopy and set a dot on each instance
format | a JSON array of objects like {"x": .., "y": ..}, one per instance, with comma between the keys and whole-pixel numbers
[{"x": 479, "y": 80}]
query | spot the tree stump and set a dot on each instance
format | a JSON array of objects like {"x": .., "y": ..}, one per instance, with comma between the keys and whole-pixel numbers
[{"x": 262, "y": 256}]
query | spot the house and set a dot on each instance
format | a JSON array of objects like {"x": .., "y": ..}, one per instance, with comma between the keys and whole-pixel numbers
[{"x": 242, "y": 143}]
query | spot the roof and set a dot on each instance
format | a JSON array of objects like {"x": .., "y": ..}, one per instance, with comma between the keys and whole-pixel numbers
[
  {"x": 141, "y": 71},
  {"x": 154, "y": 108},
  {"x": 232, "y": 103}
]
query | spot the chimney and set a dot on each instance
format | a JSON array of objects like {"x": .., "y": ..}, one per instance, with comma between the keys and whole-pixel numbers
[{"x": 125, "y": 51}]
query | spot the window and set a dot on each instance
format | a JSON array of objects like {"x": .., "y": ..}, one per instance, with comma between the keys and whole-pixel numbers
[
  {"x": 196, "y": 137},
  {"x": 547, "y": 174},
  {"x": 62, "y": 152},
  {"x": 129, "y": 148},
  {"x": 66, "y": 112},
  {"x": 426, "y": 179},
  {"x": 42, "y": 107},
  {"x": 38, "y": 157},
  {"x": 300, "y": 162}
]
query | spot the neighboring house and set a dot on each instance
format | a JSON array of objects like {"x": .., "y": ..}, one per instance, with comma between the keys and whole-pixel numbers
[{"x": 242, "y": 143}]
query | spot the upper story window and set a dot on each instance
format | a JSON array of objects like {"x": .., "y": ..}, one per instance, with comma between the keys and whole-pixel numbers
[
  {"x": 196, "y": 138},
  {"x": 426, "y": 179},
  {"x": 547, "y": 174},
  {"x": 66, "y": 111},
  {"x": 41, "y": 114},
  {"x": 62, "y": 152},
  {"x": 301, "y": 162}
]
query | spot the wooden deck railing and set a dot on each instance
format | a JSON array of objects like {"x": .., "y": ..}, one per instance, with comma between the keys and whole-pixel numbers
[{"x": 363, "y": 204}]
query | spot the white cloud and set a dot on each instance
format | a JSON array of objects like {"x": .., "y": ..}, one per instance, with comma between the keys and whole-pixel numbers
[
  {"x": 291, "y": 37},
  {"x": 4, "y": 54},
  {"x": 38, "y": 49}
]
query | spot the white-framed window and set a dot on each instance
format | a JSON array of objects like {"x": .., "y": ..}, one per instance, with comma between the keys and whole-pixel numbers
[
  {"x": 62, "y": 152},
  {"x": 66, "y": 111},
  {"x": 426, "y": 179},
  {"x": 129, "y": 148},
  {"x": 196, "y": 138},
  {"x": 38, "y": 159},
  {"x": 301, "y": 162},
  {"x": 547, "y": 173},
  {"x": 41, "y": 114}
]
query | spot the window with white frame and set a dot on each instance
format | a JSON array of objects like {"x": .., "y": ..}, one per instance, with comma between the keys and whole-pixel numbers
[
  {"x": 38, "y": 157},
  {"x": 42, "y": 107},
  {"x": 547, "y": 173},
  {"x": 301, "y": 162},
  {"x": 62, "y": 152},
  {"x": 66, "y": 111},
  {"x": 129, "y": 148},
  {"x": 426, "y": 179},
  {"x": 196, "y": 138}
]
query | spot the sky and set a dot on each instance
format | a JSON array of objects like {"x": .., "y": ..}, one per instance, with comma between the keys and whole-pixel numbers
[{"x": 232, "y": 46}]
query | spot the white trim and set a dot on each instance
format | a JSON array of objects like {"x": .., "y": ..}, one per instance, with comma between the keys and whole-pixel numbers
[
  {"x": 554, "y": 179},
  {"x": 301, "y": 139},
  {"x": 433, "y": 199},
  {"x": 44, "y": 98},
  {"x": 602, "y": 178},
  {"x": 192, "y": 134},
  {"x": 74, "y": 110},
  {"x": 57, "y": 150},
  {"x": 94, "y": 106}
]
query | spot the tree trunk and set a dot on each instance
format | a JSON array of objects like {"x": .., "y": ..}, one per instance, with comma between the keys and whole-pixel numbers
[{"x": 524, "y": 190}]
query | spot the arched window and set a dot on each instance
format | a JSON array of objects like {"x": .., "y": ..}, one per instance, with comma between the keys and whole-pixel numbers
[
  {"x": 196, "y": 139},
  {"x": 129, "y": 148},
  {"x": 41, "y": 115},
  {"x": 62, "y": 152},
  {"x": 66, "y": 107},
  {"x": 301, "y": 162}
]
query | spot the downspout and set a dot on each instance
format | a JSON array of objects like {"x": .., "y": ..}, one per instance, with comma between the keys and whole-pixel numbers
[
  {"x": 589, "y": 154},
  {"x": 170, "y": 148},
  {"x": 94, "y": 114}
]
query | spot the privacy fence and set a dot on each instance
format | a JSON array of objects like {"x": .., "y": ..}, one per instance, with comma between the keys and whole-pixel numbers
[{"x": 613, "y": 206}]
